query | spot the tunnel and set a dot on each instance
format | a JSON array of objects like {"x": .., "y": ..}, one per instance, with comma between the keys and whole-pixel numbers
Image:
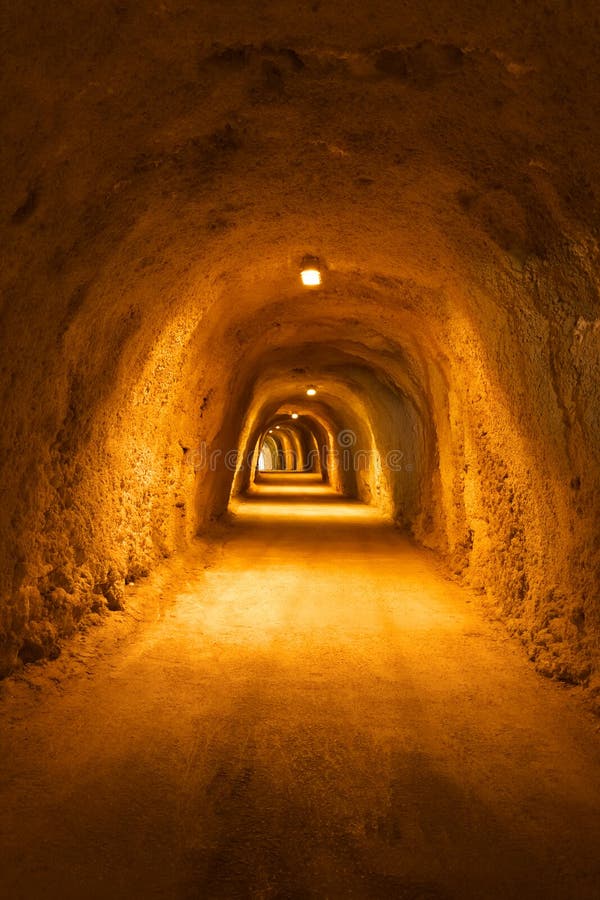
[{"x": 300, "y": 557}]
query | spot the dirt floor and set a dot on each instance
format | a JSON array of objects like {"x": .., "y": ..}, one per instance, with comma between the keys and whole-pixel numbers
[{"x": 306, "y": 709}]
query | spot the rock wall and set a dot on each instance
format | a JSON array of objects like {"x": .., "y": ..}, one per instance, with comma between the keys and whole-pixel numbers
[{"x": 166, "y": 168}]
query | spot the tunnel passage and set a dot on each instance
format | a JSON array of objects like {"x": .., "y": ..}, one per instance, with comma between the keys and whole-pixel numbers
[
  {"x": 161, "y": 191},
  {"x": 289, "y": 445},
  {"x": 368, "y": 436}
]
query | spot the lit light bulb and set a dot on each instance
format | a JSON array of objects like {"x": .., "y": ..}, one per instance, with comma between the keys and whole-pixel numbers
[
  {"x": 310, "y": 277},
  {"x": 294, "y": 415},
  {"x": 310, "y": 271},
  {"x": 278, "y": 426},
  {"x": 311, "y": 392},
  {"x": 270, "y": 431}
]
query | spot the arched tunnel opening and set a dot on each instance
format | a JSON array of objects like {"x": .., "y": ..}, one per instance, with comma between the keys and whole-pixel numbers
[
  {"x": 300, "y": 453},
  {"x": 290, "y": 446},
  {"x": 365, "y": 433}
]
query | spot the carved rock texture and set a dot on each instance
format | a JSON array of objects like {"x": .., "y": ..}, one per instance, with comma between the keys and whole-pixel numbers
[{"x": 165, "y": 168}]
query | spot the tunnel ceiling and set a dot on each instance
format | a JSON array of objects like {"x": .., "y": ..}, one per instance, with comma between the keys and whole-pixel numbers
[
  {"x": 430, "y": 145},
  {"x": 167, "y": 165}
]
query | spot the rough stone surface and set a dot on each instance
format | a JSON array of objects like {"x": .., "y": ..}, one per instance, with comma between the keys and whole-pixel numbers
[{"x": 165, "y": 168}]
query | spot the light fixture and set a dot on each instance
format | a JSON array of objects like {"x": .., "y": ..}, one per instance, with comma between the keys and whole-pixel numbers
[
  {"x": 270, "y": 431},
  {"x": 310, "y": 271},
  {"x": 278, "y": 426},
  {"x": 311, "y": 392},
  {"x": 294, "y": 415}
]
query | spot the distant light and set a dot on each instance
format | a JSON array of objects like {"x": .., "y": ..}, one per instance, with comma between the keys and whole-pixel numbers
[
  {"x": 294, "y": 415},
  {"x": 310, "y": 277},
  {"x": 278, "y": 426},
  {"x": 270, "y": 431},
  {"x": 311, "y": 392}
]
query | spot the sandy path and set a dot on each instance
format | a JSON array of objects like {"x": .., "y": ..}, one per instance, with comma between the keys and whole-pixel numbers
[{"x": 319, "y": 714}]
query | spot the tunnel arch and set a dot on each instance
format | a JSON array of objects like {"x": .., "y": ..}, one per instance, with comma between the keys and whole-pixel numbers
[
  {"x": 150, "y": 274},
  {"x": 288, "y": 448},
  {"x": 268, "y": 454},
  {"x": 352, "y": 379},
  {"x": 315, "y": 438},
  {"x": 305, "y": 450}
]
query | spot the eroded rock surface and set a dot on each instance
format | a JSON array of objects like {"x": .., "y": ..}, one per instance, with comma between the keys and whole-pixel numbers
[{"x": 165, "y": 168}]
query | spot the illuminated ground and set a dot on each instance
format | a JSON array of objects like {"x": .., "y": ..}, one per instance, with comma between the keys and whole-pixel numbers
[{"x": 316, "y": 714}]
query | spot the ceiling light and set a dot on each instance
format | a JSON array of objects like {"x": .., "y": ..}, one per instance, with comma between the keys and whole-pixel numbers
[
  {"x": 310, "y": 277},
  {"x": 311, "y": 392},
  {"x": 294, "y": 415},
  {"x": 278, "y": 426},
  {"x": 310, "y": 272}
]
